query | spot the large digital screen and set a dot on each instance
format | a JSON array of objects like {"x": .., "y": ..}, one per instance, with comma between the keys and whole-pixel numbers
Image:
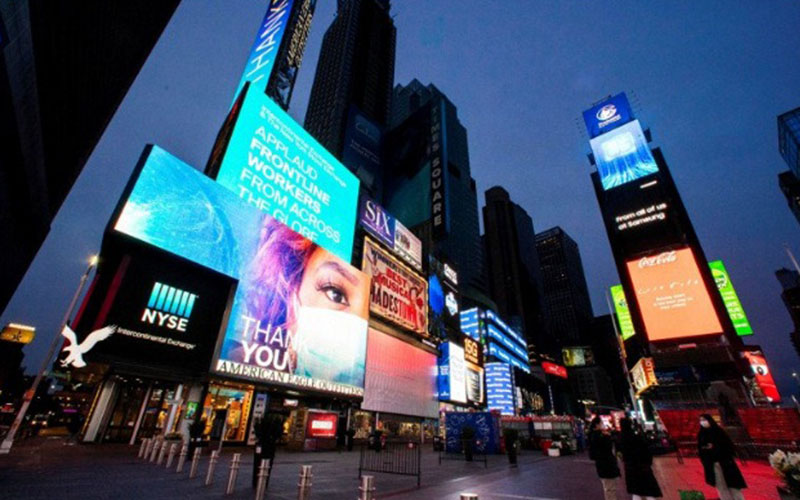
[
  {"x": 321, "y": 424},
  {"x": 397, "y": 293},
  {"x": 644, "y": 375},
  {"x": 400, "y": 378},
  {"x": 758, "y": 363},
  {"x": 607, "y": 115},
  {"x": 391, "y": 232},
  {"x": 299, "y": 313},
  {"x": 266, "y": 46},
  {"x": 361, "y": 151},
  {"x": 732, "y": 304},
  {"x": 622, "y": 155},
  {"x": 554, "y": 369},
  {"x": 499, "y": 388},
  {"x": 577, "y": 356},
  {"x": 624, "y": 320},
  {"x": 672, "y": 297},
  {"x": 452, "y": 373},
  {"x": 275, "y": 165}
]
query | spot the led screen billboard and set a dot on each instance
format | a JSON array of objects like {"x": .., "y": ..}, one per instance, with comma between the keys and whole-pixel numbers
[
  {"x": 397, "y": 293},
  {"x": 400, "y": 378},
  {"x": 729, "y": 297},
  {"x": 452, "y": 378},
  {"x": 391, "y": 232},
  {"x": 577, "y": 356},
  {"x": 299, "y": 313},
  {"x": 499, "y": 388},
  {"x": 321, "y": 424},
  {"x": 266, "y": 46},
  {"x": 275, "y": 165},
  {"x": 622, "y": 155},
  {"x": 758, "y": 363},
  {"x": 644, "y": 375},
  {"x": 624, "y": 321},
  {"x": 607, "y": 115},
  {"x": 672, "y": 298},
  {"x": 554, "y": 369}
]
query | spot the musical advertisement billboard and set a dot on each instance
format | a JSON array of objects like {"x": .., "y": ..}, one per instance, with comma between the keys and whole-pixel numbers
[
  {"x": 391, "y": 232},
  {"x": 758, "y": 363},
  {"x": 299, "y": 311},
  {"x": 672, "y": 297}
]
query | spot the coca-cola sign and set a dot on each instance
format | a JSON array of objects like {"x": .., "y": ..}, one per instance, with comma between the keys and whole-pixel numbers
[{"x": 657, "y": 260}]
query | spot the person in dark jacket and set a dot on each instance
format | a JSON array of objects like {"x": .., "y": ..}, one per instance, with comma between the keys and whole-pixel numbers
[
  {"x": 639, "y": 478},
  {"x": 717, "y": 453},
  {"x": 601, "y": 450}
]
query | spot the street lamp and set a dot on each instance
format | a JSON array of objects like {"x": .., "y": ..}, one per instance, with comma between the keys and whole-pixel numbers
[{"x": 5, "y": 446}]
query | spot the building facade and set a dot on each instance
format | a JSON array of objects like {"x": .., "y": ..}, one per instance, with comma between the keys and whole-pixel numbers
[
  {"x": 788, "y": 146},
  {"x": 790, "y": 282}
]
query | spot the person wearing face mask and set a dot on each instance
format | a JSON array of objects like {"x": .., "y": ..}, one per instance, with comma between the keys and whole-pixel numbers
[
  {"x": 601, "y": 450},
  {"x": 717, "y": 454},
  {"x": 639, "y": 478},
  {"x": 305, "y": 310}
]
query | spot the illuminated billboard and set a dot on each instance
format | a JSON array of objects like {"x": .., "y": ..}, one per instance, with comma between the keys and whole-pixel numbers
[
  {"x": 299, "y": 313},
  {"x": 624, "y": 320},
  {"x": 729, "y": 297},
  {"x": 391, "y": 232},
  {"x": 577, "y": 356},
  {"x": 397, "y": 293},
  {"x": 607, "y": 115},
  {"x": 554, "y": 369},
  {"x": 758, "y": 363},
  {"x": 275, "y": 165},
  {"x": 673, "y": 300},
  {"x": 321, "y": 424},
  {"x": 400, "y": 378},
  {"x": 622, "y": 155},
  {"x": 499, "y": 388},
  {"x": 261, "y": 59},
  {"x": 452, "y": 373},
  {"x": 644, "y": 375}
]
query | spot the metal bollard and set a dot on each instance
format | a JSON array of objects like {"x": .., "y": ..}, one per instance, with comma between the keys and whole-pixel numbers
[
  {"x": 156, "y": 447},
  {"x": 171, "y": 457},
  {"x": 149, "y": 448},
  {"x": 195, "y": 462},
  {"x": 469, "y": 496},
  {"x": 212, "y": 464},
  {"x": 367, "y": 488},
  {"x": 182, "y": 457},
  {"x": 142, "y": 447},
  {"x": 237, "y": 457},
  {"x": 263, "y": 473},
  {"x": 161, "y": 453},
  {"x": 304, "y": 486}
]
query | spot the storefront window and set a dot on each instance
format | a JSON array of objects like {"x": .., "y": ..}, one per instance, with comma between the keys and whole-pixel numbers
[
  {"x": 226, "y": 409},
  {"x": 361, "y": 422}
]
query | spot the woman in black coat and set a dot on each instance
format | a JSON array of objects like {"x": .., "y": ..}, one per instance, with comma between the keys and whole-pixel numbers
[
  {"x": 601, "y": 450},
  {"x": 639, "y": 478},
  {"x": 717, "y": 453}
]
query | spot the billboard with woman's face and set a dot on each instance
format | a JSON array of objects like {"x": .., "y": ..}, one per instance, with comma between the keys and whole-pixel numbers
[{"x": 299, "y": 312}]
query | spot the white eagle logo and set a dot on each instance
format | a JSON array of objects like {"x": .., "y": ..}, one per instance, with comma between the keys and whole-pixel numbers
[{"x": 76, "y": 351}]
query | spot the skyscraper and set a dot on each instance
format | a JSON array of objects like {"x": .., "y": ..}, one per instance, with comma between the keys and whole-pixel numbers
[
  {"x": 790, "y": 282},
  {"x": 789, "y": 145},
  {"x": 355, "y": 69},
  {"x": 427, "y": 179},
  {"x": 64, "y": 69},
  {"x": 565, "y": 298},
  {"x": 512, "y": 263}
]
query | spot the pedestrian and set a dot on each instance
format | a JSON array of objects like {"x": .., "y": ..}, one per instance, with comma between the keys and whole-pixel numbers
[
  {"x": 717, "y": 453},
  {"x": 601, "y": 450},
  {"x": 639, "y": 478}
]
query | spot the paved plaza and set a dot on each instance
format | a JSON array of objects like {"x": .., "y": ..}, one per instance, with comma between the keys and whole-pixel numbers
[{"x": 46, "y": 468}]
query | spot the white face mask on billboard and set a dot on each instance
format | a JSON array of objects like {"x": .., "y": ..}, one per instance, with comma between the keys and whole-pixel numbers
[{"x": 330, "y": 345}]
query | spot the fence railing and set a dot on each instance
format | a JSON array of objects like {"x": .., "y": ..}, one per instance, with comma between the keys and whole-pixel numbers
[
  {"x": 477, "y": 455},
  {"x": 392, "y": 458}
]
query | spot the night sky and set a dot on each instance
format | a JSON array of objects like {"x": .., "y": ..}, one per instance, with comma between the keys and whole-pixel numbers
[{"x": 708, "y": 78}]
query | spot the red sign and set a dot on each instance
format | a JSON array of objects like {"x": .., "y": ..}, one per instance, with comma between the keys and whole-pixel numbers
[
  {"x": 321, "y": 425},
  {"x": 554, "y": 369},
  {"x": 763, "y": 376}
]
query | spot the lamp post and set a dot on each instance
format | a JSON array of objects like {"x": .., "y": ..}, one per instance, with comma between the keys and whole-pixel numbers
[{"x": 5, "y": 446}]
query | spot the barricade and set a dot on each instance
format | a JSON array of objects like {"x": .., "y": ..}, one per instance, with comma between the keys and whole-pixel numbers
[
  {"x": 477, "y": 455},
  {"x": 156, "y": 448},
  {"x": 263, "y": 474},
  {"x": 367, "y": 489},
  {"x": 143, "y": 447},
  {"x": 171, "y": 457},
  {"x": 401, "y": 458},
  {"x": 195, "y": 463},
  {"x": 212, "y": 464},
  {"x": 234, "y": 473},
  {"x": 182, "y": 458},
  {"x": 469, "y": 496},
  {"x": 148, "y": 449},
  {"x": 161, "y": 453}
]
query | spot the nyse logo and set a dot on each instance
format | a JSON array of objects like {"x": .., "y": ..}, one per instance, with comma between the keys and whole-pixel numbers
[{"x": 169, "y": 307}]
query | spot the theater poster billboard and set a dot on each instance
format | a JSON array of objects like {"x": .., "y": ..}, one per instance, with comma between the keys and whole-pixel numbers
[{"x": 397, "y": 293}]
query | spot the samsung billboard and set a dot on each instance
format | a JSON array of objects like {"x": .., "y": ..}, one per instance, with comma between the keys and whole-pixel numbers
[
  {"x": 273, "y": 164},
  {"x": 299, "y": 312},
  {"x": 622, "y": 155}
]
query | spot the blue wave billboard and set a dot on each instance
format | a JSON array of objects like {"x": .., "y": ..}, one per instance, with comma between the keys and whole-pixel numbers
[{"x": 622, "y": 155}]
